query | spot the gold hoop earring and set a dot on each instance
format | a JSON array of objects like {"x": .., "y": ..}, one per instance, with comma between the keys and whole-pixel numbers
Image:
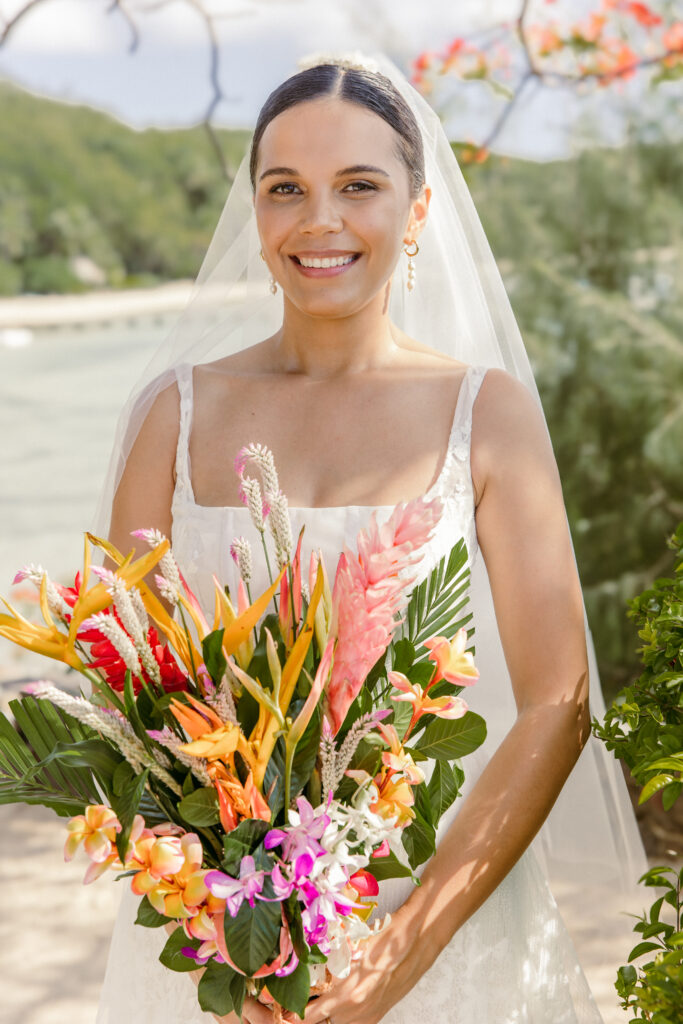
[
  {"x": 262, "y": 256},
  {"x": 411, "y": 266}
]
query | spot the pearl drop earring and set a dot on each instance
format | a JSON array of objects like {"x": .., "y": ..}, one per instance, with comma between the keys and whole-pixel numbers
[
  {"x": 273, "y": 282},
  {"x": 411, "y": 265}
]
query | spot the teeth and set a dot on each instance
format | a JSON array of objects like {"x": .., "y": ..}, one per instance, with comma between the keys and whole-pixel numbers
[{"x": 327, "y": 261}]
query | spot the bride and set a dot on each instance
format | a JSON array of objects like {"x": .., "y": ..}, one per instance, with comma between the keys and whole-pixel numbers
[{"x": 386, "y": 376}]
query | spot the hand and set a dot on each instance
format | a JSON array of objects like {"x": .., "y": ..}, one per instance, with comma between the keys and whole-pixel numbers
[
  {"x": 383, "y": 976},
  {"x": 253, "y": 1012}
]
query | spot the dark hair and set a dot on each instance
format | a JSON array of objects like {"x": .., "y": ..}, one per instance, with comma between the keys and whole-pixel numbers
[{"x": 368, "y": 89}]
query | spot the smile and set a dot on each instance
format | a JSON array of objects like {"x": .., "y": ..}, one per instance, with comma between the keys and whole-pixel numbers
[{"x": 325, "y": 267}]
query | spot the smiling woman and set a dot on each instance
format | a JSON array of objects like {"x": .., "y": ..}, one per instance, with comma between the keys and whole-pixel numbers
[{"x": 371, "y": 393}]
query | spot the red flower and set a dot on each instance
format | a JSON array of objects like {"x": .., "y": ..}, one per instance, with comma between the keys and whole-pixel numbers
[{"x": 109, "y": 662}]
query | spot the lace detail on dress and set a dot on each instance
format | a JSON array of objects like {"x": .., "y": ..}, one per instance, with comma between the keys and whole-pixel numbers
[{"x": 182, "y": 458}]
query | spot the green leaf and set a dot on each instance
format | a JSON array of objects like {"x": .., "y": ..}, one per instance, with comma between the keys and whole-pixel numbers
[
  {"x": 403, "y": 655},
  {"x": 388, "y": 867},
  {"x": 126, "y": 807},
  {"x": 643, "y": 947},
  {"x": 148, "y": 917},
  {"x": 436, "y": 601},
  {"x": 293, "y": 991},
  {"x": 242, "y": 841},
  {"x": 252, "y": 936},
  {"x": 214, "y": 658},
  {"x": 44, "y": 726},
  {"x": 213, "y": 991},
  {"x": 653, "y": 786},
  {"x": 419, "y": 840},
  {"x": 171, "y": 955},
  {"x": 448, "y": 739},
  {"x": 443, "y": 787},
  {"x": 200, "y": 808}
]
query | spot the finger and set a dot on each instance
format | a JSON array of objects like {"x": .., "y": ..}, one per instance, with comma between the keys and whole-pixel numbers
[
  {"x": 256, "y": 1013},
  {"x": 317, "y": 1012}
]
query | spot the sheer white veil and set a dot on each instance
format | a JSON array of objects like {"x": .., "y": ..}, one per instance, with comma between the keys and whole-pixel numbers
[{"x": 459, "y": 306}]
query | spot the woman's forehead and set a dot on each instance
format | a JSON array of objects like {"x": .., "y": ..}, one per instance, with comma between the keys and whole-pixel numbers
[{"x": 328, "y": 133}]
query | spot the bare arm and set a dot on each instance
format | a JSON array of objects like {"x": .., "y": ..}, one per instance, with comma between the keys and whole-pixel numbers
[{"x": 524, "y": 538}]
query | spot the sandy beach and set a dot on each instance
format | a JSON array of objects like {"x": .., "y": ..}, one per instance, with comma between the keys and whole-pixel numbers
[{"x": 29, "y": 312}]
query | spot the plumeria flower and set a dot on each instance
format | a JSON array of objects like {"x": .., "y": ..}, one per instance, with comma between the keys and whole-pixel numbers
[
  {"x": 397, "y": 758},
  {"x": 96, "y": 829},
  {"x": 235, "y": 890},
  {"x": 171, "y": 876},
  {"x": 423, "y": 704},
  {"x": 453, "y": 662}
]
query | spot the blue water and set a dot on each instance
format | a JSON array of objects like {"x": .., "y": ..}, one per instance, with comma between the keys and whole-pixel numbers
[{"x": 59, "y": 400}]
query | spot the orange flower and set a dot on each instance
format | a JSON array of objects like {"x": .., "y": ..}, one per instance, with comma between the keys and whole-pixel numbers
[{"x": 453, "y": 662}]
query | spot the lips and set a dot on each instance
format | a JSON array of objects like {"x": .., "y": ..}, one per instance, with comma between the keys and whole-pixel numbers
[{"x": 325, "y": 271}]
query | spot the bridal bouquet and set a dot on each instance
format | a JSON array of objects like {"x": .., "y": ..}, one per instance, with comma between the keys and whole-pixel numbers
[{"x": 257, "y": 775}]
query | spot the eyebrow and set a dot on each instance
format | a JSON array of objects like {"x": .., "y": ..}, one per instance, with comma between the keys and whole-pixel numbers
[{"x": 356, "y": 169}]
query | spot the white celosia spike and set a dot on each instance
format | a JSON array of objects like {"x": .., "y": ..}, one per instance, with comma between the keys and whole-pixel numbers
[
  {"x": 328, "y": 756},
  {"x": 167, "y": 564},
  {"x": 280, "y": 527},
  {"x": 240, "y": 549},
  {"x": 112, "y": 725},
  {"x": 131, "y": 623},
  {"x": 119, "y": 639},
  {"x": 55, "y": 602},
  {"x": 197, "y": 765},
  {"x": 168, "y": 592},
  {"x": 251, "y": 489},
  {"x": 222, "y": 701},
  {"x": 140, "y": 610},
  {"x": 358, "y": 731},
  {"x": 263, "y": 458}
]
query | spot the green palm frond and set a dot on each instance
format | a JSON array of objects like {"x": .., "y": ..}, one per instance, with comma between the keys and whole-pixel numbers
[
  {"x": 436, "y": 603},
  {"x": 41, "y": 728}
]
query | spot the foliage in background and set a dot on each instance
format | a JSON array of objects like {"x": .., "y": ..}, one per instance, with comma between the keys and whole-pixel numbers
[
  {"x": 654, "y": 990},
  {"x": 644, "y": 728},
  {"x": 591, "y": 250},
  {"x": 74, "y": 182}
]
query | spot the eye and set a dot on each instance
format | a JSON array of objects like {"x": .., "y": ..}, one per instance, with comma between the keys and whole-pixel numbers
[
  {"x": 363, "y": 186},
  {"x": 283, "y": 184}
]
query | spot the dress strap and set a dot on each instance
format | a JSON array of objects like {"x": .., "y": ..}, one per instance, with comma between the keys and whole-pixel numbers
[
  {"x": 182, "y": 460},
  {"x": 457, "y": 475}
]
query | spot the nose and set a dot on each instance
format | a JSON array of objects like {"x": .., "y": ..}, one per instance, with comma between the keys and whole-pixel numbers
[{"x": 320, "y": 214}]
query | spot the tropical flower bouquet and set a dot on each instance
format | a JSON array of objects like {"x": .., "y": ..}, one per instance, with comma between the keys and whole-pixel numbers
[{"x": 255, "y": 777}]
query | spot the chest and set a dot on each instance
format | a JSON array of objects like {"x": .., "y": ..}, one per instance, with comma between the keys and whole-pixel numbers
[{"x": 352, "y": 443}]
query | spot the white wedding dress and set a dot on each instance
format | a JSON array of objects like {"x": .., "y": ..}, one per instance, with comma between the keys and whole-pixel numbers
[{"x": 513, "y": 961}]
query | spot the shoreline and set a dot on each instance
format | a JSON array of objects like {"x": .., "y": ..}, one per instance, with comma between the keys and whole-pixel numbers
[{"x": 29, "y": 312}]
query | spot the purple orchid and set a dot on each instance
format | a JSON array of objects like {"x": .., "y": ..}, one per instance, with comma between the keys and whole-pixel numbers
[{"x": 235, "y": 890}]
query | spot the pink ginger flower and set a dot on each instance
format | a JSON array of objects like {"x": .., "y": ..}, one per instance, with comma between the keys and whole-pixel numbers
[{"x": 370, "y": 588}]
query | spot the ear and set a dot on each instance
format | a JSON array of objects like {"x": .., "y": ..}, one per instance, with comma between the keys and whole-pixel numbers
[{"x": 418, "y": 214}]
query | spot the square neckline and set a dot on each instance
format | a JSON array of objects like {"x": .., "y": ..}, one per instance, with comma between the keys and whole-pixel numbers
[{"x": 187, "y": 483}]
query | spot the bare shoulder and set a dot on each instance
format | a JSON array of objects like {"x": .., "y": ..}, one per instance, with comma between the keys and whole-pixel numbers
[
  {"x": 509, "y": 432},
  {"x": 159, "y": 429}
]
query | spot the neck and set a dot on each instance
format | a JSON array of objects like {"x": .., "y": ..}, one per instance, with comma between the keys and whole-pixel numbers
[{"x": 322, "y": 347}]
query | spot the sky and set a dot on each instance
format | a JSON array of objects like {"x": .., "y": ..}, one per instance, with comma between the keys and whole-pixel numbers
[{"x": 74, "y": 50}]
